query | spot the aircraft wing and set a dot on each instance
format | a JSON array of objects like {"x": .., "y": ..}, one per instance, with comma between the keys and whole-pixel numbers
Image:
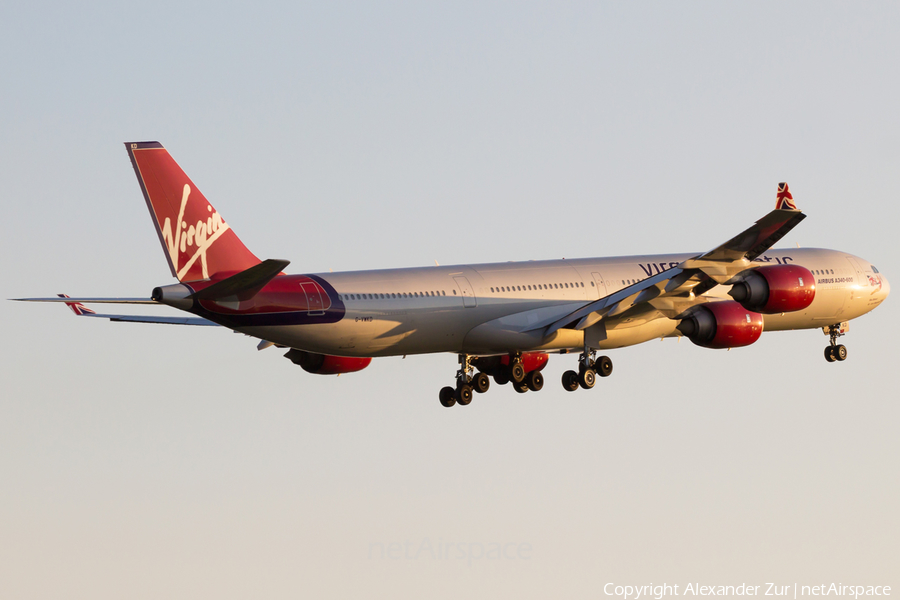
[
  {"x": 675, "y": 290},
  {"x": 78, "y": 307}
]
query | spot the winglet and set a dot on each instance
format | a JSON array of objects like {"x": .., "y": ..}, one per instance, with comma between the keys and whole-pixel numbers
[
  {"x": 77, "y": 307},
  {"x": 783, "y": 199}
]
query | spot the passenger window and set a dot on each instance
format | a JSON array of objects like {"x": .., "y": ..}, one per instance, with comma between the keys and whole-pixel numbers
[{"x": 454, "y": 292}]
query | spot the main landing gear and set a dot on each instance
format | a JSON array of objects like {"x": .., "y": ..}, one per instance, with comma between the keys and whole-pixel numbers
[
  {"x": 588, "y": 369},
  {"x": 468, "y": 382},
  {"x": 835, "y": 351}
]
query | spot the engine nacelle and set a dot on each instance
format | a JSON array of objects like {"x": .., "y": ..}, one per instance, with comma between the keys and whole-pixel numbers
[
  {"x": 722, "y": 325},
  {"x": 325, "y": 364},
  {"x": 775, "y": 289}
]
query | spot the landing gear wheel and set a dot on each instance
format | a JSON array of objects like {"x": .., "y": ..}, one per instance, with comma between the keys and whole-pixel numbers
[
  {"x": 840, "y": 352},
  {"x": 464, "y": 395},
  {"x": 570, "y": 381},
  {"x": 516, "y": 372},
  {"x": 481, "y": 383},
  {"x": 603, "y": 366},
  {"x": 829, "y": 354},
  {"x": 501, "y": 377},
  {"x": 534, "y": 381},
  {"x": 521, "y": 387},
  {"x": 448, "y": 396},
  {"x": 587, "y": 378}
]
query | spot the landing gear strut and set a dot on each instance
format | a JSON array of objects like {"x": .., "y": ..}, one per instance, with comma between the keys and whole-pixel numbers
[
  {"x": 835, "y": 351},
  {"x": 467, "y": 382},
  {"x": 589, "y": 366}
]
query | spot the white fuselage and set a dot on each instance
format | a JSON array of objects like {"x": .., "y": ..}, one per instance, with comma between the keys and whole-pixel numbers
[{"x": 477, "y": 309}]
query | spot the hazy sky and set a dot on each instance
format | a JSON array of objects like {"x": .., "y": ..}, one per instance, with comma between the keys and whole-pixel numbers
[{"x": 141, "y": 461}]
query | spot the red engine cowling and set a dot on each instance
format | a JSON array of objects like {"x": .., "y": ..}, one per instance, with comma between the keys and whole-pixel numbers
[
  {"x": 775, "y": 289},
  {"x": 325, "y": 364},
  {"x": 722, "y": 325},
  {"x": 531, "y": 361}
]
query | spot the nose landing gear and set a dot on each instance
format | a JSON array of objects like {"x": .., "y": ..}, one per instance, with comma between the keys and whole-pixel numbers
[
  {"x": 835, "y": 351},
  {"x": 588, "y": 369}
]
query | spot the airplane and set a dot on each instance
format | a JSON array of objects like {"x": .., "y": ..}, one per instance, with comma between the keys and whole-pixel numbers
[{"x": 501, "y": 319}]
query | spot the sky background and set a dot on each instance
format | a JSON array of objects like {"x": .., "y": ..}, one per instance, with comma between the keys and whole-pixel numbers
[{"x": 141, "y": 461}]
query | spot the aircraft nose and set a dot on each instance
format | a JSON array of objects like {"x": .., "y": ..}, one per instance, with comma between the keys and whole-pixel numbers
[{"x": 885, "y": 287}]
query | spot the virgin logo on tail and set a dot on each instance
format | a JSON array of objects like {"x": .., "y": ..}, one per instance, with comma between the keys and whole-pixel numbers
[
  {"x": 783, "y": 199},
  {"x": 196, "y": 237}
]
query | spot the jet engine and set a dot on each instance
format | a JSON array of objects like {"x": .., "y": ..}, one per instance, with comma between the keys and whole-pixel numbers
[
  {"x": 775, "y": 289},
  {"x": 325, "y": 364},
  {"x": 722, "y": 325}
]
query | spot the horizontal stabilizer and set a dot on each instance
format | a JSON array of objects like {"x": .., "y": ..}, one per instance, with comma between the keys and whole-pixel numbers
[
  {"x": 163, "y": 320},
  {"x": 245, "y": 284},
  {"x": 68, "y": 300},
  {"x": 77, "y": 306}
]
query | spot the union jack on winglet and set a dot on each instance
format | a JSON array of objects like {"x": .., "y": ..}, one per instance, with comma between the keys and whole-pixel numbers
[
  {"x": 783, "y": 199},
  {"x": 77, "y": 307}
]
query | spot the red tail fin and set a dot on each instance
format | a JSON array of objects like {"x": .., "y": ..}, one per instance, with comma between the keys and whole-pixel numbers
[{"x": 197, "y": 241}]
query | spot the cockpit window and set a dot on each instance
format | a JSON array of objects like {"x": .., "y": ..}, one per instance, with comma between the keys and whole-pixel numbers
[{"x": 874, "y": 270}]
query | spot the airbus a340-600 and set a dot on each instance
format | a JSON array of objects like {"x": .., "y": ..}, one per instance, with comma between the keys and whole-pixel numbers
[{"x": 501, "y": 319}]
